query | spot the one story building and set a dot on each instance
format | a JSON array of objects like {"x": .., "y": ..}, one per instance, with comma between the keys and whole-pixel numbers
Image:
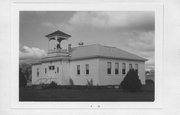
[{"x": 103, "y": 65}]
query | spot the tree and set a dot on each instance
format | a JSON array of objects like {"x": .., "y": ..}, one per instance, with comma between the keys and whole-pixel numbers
[
  {"x": 52, "y": 85},
  {"x": 22, "y": 79},
  {"x": 26, "y": 69},
  {"x": 90, "y": 83},
  {"x": 71, "y": 82},
  {"x": 131, "y": 81}
]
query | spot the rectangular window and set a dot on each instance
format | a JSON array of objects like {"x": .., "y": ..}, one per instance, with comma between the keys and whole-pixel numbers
[
  {"x": 78, "y": 69},
  {"x": 57, "y": 69},
  {"x": 52, "y": 67},
  {"x": 37, "y": 72},
  {"x": 109, "y": 68},
  {"x": 123, "y": 68},
  {"x": 130, "y": 66},
  {"x": 136, "y": 68},
  {"x": 45, "y": 70},
  {"x": 116, "y": 68},
  {"x": 87, "y": 69}
]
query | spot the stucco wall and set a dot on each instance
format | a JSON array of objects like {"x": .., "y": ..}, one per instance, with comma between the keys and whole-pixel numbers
[
  {"x": 97, "y": 72},
  {"x": 61, "y": 77},
  {"x": 113, "y": 79},
  {"x": 82, "y": 78},
  {"x": 51, "y": 75},
  {"x": 65, "y": 70},
  {"x": 35, "y": 78}
]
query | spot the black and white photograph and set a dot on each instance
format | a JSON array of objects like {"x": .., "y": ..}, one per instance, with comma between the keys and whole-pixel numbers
[
  {"x": 97, "y": 57},
  {"x": 87, "y": 56}
]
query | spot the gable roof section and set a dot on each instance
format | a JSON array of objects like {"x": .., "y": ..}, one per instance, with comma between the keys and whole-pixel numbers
[
  {"x": 58, "y": 33},
  {"x": 100, "y": 51}
]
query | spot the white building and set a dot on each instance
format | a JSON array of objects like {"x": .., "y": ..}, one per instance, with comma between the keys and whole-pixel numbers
[{"x": 103, "y": 65}]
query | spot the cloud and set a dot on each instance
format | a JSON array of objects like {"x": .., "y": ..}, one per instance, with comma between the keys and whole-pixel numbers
[
  {"x": 117, "y": 19},
  {"x": 142, "y": 44},
  {"x": 135, "y": 29},
  {"x": 143, "y": 41},
  {"x": 48, "y": 24},
  {"x": 26, "y": 52},
  {"x": 137, "y": 20},
  {"x": 61, "y": 26}
]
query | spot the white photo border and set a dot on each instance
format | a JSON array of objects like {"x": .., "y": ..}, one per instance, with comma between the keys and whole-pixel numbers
[{"x": 157, "y": 8}]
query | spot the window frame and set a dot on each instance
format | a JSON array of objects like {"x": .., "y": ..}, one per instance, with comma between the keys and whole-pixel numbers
[
  {"x": 53, "y": 67},
  {"x": 123, "y": 68},
  {"x": 45, "y": 70},
  {"x": 37, "y": 72},
  {"x": 109, "y": 67},
  {"x": 57, "y": 69},
  {"x": 136, "y": 68},
  {"x": 130, "y": 66},
  {"x": 78, "y": 70},
  {"x": 116, "y": 70},
  {"x": 87, "y": 69}
]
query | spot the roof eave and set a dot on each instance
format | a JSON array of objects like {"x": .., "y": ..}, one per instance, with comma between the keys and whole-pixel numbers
[
  {"x": 117, "y": 58},
  {"x": 56, "y": 32}
]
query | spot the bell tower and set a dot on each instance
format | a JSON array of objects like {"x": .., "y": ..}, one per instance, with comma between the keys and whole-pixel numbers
[{"x": 54, "y": 42}]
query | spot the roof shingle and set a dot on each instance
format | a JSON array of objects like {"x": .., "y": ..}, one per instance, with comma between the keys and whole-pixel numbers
[{"x": 97, "y": 50}]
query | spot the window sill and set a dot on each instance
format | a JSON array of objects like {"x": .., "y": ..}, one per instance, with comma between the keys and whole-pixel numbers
[
  {"x": 84, "y": 75},
  {"x": 115, "y": 74}
]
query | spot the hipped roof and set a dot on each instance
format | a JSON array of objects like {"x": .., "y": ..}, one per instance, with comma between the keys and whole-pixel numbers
[
  {"x": 94, "y": 51},
  {"x": 58, "y": 33},
  {"x": 97, "y": 50}
]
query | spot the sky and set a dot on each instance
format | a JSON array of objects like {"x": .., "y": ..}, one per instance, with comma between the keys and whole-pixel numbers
[{"x": 132, "y": 31}]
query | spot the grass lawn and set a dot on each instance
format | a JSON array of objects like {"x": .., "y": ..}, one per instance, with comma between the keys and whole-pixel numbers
[{"x": 33, "y": 94}]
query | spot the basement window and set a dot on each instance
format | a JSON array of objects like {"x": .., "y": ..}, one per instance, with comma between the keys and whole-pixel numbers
[{"x": 109, "y": 68}]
